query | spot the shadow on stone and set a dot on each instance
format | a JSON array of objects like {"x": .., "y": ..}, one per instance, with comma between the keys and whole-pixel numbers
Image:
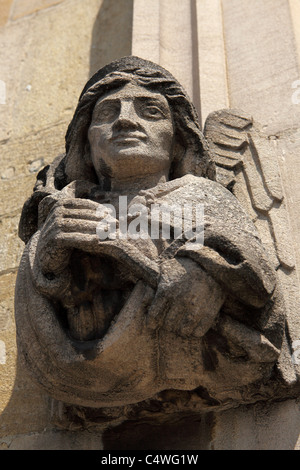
[
  {"x": 112, "y": 33},
  {"x": 188, "y": 433}
]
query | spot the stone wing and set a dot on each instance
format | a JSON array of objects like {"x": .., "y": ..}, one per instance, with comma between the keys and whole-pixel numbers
[{"x": 246, "y": 163}]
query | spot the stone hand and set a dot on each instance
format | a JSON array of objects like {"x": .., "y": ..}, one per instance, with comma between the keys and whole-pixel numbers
[
  {"x": 70, "y": 224},
  {"x": 187, "y": 300}
]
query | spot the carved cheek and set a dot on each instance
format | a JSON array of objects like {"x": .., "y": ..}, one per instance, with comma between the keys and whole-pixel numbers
[
  {"x": 98, "y": 137},
  {"x": 91, "y": 136},
  {"x": 164, "y": 134}
]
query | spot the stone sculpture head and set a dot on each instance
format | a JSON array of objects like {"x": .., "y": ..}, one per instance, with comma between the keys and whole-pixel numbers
[
  {"x": 131, "y": 137},
  {"x": 189, "y": 153}
]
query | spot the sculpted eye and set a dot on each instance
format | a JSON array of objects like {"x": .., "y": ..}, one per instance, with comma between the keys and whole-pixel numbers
[
  {"x": 152, "y": 112},
  {"x": 106, "y": 112}
]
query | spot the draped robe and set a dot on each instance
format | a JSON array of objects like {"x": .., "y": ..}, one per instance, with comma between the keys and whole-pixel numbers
[{"x": 228, "y": 284}]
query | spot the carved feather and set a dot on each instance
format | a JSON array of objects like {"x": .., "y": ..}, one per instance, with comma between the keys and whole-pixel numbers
[{"x": 247, "y": 165}]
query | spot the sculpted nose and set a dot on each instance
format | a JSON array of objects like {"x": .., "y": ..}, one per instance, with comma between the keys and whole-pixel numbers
[{"x": 127, "y": 116}]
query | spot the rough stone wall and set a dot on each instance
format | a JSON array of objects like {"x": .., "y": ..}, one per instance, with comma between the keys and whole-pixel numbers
[
  {"x": 49, "y": 48},
  {"x": 239, "y": 53}
]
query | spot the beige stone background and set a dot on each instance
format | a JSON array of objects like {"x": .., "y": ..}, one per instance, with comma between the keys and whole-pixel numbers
[{"x": 236, "y": 53}]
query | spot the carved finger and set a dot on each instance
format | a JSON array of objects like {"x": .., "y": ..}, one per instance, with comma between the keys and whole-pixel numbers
[
  {"x": 64, "y": 206},
  {"x": 85, "y": 221},
  {"x": 75, "y": 240},
  {"x": 78, "y": 203},
  {"x": 62, "y": 225},
  {"x": 45, "y": 207},
  {"x": 86, "y": 214}
]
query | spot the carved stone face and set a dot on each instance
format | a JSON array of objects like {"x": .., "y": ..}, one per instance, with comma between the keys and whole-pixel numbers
[{"x": 131, "y": 133}]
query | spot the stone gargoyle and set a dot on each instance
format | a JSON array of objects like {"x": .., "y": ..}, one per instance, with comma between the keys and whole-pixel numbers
[{"x": 106, "y": 322}]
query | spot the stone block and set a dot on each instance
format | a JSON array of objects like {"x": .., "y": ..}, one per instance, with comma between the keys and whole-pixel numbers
[
  {"x": 288, "y": 147},
  {"x": 12, "y": 247},
  {"x": 26, "y": 155},
  {"x": 145, "y": 34},
  {"x": 7, "y": 368},
  {"x": 211, "y": 52},
  {"x": 7, "y": 284},
  {"x": 14, "y": 40},
  {"x": 54, "y": 440},
  {"x": 176, "y": 51},
  {"x": 262, "y": 61},
  {"x": 259, "y": 427},
  {"x": 295, "y": 15},
  {"x": 112, "y": 33},
  {"x": 5, "y": 11},
  {"x": 14, "y": 192},
  {"x": 23, "y": 409},
  {"x": 44, "y": 89},
  {"x": 23, "y": 8}
]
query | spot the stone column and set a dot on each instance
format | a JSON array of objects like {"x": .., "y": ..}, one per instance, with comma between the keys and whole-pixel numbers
[
  {"x": 244, "y": 55},
  {"x": 185, "y": 37}
]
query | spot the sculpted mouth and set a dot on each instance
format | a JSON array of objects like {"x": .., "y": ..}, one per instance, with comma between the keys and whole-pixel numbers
[{"x": 129, "y": 138}]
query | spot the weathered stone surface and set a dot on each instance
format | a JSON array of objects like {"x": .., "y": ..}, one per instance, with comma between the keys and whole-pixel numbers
[
  {"x": 212, "y": 57},
  {"x": 287, "y": 149},
  {"x": 166, "y": 33},
  {"x": 255, "y": 167},
  {"x": 5, "y": 11},
  {"x": 263, "y": 427},
  {"x": 54, "y": 440},
  {"x": 11, "y": 73},
  {"x": 27, "y": 80},
  {"x": 146, "y": 30},
  {"x": 10, "y": 252},
  {"x": 14, "y": 191},
  {"x": 119, "y": 320},
  {"x": 7, "y": 379},
  {"x": 31, "y": 153},
  {"x": 24, "y": 409},
  {"x": 295, "y": 16},
  {"x": 21, "y": 8},
  {"x": 262, "y": 62},
  {"x": 7, "y": 282}
]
